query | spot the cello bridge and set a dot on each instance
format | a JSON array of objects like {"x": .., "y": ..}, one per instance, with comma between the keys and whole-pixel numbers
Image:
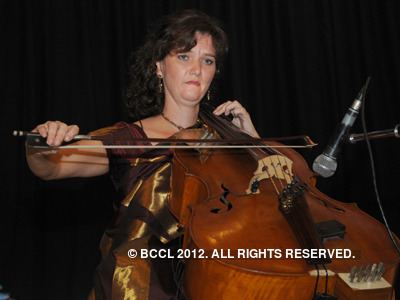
[{"x": 271, "y": 167}]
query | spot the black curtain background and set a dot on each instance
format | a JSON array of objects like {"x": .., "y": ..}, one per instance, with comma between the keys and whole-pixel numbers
[{"x": 295, "y": 65}]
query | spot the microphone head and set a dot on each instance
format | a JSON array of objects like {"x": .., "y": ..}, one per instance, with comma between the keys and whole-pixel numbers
[{"x": 325, "y": 165}]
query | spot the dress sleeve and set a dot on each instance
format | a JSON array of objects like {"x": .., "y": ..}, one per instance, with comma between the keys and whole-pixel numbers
[
  {"x": 121, "y": 161},
  {"x": 120, "y": 133}
]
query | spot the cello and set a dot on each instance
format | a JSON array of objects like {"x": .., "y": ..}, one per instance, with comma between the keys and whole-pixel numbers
[
  {"x": 262, "y": 206},
  {"x": 267, "y": 200}
]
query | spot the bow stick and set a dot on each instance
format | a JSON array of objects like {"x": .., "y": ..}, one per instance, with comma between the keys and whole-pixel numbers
[{"x": 35, "y": 140}]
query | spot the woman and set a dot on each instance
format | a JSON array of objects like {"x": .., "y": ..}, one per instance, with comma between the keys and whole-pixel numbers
[{"x": 172, "y": 73}]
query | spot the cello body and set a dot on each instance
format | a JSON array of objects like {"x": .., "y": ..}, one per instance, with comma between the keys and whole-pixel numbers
[{"x": 245, "y": 238}]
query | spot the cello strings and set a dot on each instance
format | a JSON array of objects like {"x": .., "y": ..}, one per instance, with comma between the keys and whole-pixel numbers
[
  {"x": 286, "y": 171},
  {"x": 326, "y": 278},
  {"x": 276, "y": 175},
  {"x": 316, "y": 281},
  {"x": 279, "y": 166},
  {"x": 271, "y": 178},
  {"x": 274, "y": 150},
  {"x": 178, "y": 270}
]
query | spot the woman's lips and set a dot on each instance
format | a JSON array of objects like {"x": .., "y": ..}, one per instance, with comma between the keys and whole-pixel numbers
[{"x": 196, "y": 83}]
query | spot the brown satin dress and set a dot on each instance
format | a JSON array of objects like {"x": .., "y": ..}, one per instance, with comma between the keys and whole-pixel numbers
[{"x": 143, "y": 220}]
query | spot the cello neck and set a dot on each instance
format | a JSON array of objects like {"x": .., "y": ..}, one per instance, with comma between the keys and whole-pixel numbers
[{"x": 224, "y": 127}]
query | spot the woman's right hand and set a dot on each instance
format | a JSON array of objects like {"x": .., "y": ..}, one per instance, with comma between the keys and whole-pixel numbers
[
  {"x": 65, "y": 163},
  {"x": 56, "y": 132}
]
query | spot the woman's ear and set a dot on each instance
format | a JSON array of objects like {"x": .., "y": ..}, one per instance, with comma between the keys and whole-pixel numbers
[{"x": 158, "y": 70}]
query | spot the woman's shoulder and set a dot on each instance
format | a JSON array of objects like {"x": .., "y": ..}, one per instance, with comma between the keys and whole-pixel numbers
[
  {"x": 120, "y": 128},
  {"x": 144, "y": 128}
]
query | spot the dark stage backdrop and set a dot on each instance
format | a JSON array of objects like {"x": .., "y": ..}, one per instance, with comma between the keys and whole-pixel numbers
[{"x": 295, "y": 65}]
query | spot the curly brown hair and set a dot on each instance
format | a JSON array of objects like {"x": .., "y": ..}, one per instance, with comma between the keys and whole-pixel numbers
[{"x": 175, "y": 32}]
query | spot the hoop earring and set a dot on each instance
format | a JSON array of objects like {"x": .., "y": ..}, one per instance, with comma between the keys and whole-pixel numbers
[{"x": 208, "y": 95}]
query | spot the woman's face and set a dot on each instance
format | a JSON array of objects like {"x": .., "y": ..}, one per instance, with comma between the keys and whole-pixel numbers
[{"x": 188, "y": 75}]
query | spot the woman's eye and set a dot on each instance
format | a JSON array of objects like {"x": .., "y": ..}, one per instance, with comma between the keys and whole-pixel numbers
[
  {"x": 208, "y": 61},
  {"x": 183, "y": 57}
]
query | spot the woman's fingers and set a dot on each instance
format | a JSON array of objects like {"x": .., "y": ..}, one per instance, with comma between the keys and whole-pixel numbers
[
  {"x": 41, "y": 129},
  {"x": 222, "y": 109},
  {"x": 241, "y": 117},
  {"x": 60, "y": 131},
  {"x": 230, "y": 107},
  {"x": 72, "y": 131},
  {"x": 56, "y": 132}
]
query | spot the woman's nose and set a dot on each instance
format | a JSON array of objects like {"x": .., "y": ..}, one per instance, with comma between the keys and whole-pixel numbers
[{"x": 195, "y": 68}]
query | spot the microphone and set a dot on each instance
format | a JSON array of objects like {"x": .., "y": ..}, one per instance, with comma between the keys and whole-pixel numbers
[{"x": 325, "y": 164}]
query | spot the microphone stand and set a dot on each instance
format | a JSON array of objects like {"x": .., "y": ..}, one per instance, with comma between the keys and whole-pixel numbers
[{"x": 379, "y": 134}]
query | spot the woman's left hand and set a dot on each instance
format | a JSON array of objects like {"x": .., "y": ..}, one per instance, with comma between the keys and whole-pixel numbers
[{"x": 241, "y": 117}]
